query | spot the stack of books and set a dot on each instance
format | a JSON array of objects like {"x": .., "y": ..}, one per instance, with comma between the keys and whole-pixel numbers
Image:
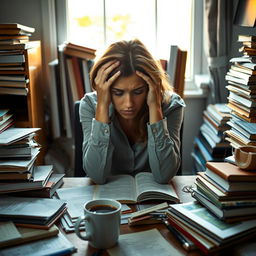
[
  {"x": 227, "y": 191},
  {"x": 14, "y": 38},
  {"x": 71, "y": 81},
  {"x": 208, "y": 232},
  {"x": 6, "y": 120},
  {"x": 211, "y": 143},
  {"x": 18, "y": 172},
  {"x": 242, "y": 94}
]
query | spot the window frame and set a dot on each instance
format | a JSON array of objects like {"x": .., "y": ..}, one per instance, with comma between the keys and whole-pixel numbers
[{"x": 197, "y": 54}]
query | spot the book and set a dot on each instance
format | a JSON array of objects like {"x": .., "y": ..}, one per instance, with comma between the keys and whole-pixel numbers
[
  {"x": 250, "y": 103},
  {"x": 41, "y": 175},
  {"x": 14, "y": 134},
  {"x": 134, "y": 244},
  {"x": 79, "y": 51},
  {"x": 86, "y": 77},
  {"x": 53, "y": 246},
  {"x": 18, "y": 45},
  {"x": 171, "y": 64},
  {"x": 3, "y": 113},
  {"x": 129, "y": 189},
  {"x": 14, "y": 91},
  {"x": 75, "y": 197},
  {"x": 78, "y": 77},
  {"x": 240, "y": 138},
  {"x": 246, "y": 38},
  {"x": 199, "y": 219},
  {"x": 19, "y": 58},
  {"x": 247, "y": 93},
  {"x": 25, "y": 235},
  {"x": 72, "y": 80},
  {"x": 230, "y": 172},
  {"x": 243, "y": 69},
  {"x": 17, "y": 26},
  {"x": 206, "y": 186},
  {"x": 248, "y": 129},
  {"x": 228, "y": 202},
  {"x": 54, "y": 99},
  {"x": 31, "y": 212},
  {"x": 228, "y": 214},
  {"x": 55, "y": 181},
  {"x": 64, "y": 93}
]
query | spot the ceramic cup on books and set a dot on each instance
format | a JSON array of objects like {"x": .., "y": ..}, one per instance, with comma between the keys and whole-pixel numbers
[
  {"x": 245, "y": 157},
  {"x": 102, "y": 223}
]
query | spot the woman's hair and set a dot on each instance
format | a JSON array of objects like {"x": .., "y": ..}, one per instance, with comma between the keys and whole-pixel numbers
[{"x": 134, "y": 56}]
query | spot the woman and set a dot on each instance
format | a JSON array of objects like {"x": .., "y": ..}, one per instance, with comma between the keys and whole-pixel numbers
[{"x": 131, "y": 123}]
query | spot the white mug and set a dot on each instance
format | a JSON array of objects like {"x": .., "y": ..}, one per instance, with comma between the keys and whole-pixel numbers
[{"x": 102, "y": 223}]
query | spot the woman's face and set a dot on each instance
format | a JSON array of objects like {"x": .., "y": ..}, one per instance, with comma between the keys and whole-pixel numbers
[{"x": 129, "y": 95}]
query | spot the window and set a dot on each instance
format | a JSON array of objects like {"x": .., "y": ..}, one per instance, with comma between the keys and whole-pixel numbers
[{"x": 157, "y": 23}]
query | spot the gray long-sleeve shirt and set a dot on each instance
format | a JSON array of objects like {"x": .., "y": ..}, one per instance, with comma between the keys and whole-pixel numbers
[{"x": 107, "y": 151}]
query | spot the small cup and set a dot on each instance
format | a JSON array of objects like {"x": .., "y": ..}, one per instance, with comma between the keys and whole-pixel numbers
[
  {"x": 102, "y": 223},
  {"x": 245, "y": 158}
]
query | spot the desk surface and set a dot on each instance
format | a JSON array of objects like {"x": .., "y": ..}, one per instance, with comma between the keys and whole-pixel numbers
[{"x": 179, "y": 182}]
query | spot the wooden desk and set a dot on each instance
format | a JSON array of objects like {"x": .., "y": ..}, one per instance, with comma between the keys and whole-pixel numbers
[{"x": 179, "y": 182}]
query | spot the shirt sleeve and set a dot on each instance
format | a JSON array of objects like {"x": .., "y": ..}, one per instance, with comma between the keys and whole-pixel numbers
[
  {"x": 164, "y": 145},
  {"x": 97, "y": 146}
]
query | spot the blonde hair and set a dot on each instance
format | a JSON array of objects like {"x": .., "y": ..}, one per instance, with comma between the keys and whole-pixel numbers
[{"x": 133, "y": 55}]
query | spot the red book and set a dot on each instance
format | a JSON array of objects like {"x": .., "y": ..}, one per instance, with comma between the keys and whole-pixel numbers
[{"x": 78, "y": 77}]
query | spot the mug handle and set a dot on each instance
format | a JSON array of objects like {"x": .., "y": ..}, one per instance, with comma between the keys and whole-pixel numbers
[{"x": 77, "y": 230}]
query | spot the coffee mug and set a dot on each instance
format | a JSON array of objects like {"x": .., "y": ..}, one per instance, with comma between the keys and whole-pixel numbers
[{"x": 102, "y": 223}]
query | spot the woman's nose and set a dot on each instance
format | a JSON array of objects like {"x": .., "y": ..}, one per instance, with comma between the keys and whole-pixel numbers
[{"x": 128, "y": 100}]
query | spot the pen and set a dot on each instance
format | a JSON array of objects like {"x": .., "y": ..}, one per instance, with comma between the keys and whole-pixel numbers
[{"x": 187, "y": 245}]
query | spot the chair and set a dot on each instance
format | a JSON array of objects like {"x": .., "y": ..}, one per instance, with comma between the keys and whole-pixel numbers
[{"x": 78, "y": 139}]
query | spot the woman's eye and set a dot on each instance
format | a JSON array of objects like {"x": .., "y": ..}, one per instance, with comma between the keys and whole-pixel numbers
[
  {"x": 138, "y": 92},
  {"x": 117, "y": 93}
]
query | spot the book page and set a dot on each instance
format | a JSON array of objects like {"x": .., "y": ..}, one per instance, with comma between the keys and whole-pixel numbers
[
  {"x": 76, "y": 198},
  {"x": 148, "y": 188},
  {"x": 143, "y": 243},
  {"x": 118, "y": 187}
]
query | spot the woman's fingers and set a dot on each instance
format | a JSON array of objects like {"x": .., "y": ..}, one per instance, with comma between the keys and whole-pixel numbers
[{"x": 105, "y": 70}]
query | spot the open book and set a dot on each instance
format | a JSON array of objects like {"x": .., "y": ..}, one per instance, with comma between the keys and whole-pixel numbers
[{"x": 129, "y": 189}]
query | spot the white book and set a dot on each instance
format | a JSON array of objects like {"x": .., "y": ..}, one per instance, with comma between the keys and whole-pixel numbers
[{"x": 14, "y": 134}]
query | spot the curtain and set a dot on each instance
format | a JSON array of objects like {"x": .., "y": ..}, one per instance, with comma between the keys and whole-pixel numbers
[{"x": 218, "y": 15}]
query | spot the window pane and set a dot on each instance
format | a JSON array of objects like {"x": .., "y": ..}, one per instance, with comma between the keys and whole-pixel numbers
[
  {"x": 86, "y": 23},
  {"x": 174, "y": 27},
  {"x": 131, "y": 19}
]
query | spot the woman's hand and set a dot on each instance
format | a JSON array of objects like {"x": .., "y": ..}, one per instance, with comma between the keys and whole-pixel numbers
[
  {"x": 103, "y": 90},
  {"x": 154, "y": 99}
]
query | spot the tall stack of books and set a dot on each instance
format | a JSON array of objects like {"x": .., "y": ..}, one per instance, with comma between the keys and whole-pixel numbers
[
  {"x": 224, "y": 211},
  {"x": 18, "y": 172},
  {"x": 242, "y": 94},
  {"x": 14, "y": 38},
  {"x": 227, "y": 191},
  {"x": 211, "y": 144}
]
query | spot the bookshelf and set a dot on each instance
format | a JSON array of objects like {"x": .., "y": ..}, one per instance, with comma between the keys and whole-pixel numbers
[{"x": 28, "y": 109}]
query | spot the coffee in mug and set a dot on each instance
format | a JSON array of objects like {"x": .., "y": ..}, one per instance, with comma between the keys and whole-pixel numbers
[{"x": 102, "y": 223}]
